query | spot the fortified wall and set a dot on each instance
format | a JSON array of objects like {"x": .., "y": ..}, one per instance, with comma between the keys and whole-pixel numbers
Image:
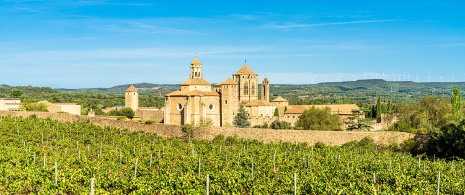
[{"x": 264, "y": 135}]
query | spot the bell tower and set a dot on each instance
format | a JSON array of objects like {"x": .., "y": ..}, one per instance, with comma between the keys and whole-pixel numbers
[
  {"x": 247, "y": 82},
  {"x": 266, "y": 90},
  {"x": 196, "y": 69}
]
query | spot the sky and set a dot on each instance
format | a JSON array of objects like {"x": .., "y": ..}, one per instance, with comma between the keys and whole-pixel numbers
[{"x": 103, "y": 43}]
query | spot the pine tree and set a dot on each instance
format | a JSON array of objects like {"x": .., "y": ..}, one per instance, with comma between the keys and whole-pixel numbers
[
  {"x": 241, "y": 119},
  {"x": 456, "y": 101}
]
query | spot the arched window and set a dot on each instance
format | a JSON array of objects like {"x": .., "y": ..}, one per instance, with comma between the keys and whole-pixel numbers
[{"x": 246, "y": 89}]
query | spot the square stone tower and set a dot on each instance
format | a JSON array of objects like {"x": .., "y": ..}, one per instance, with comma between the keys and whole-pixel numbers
[
  {"x": 131, "y": 97},
  {"x": 247, "y": 82}
]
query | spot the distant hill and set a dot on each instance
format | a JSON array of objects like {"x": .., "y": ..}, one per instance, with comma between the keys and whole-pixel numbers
[{"x": 119, "y": 89}]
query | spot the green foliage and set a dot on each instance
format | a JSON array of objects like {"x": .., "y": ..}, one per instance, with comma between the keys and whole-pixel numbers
[
  {"x": 427, "y": 115},
  {"x": 448, "y": 141},
  {"x": 168, "y": 166},
  {"x": 188, "y": 130},
  {"x": 276, "y": 112},
  {"x": 219, "y": 139},
  {"x": 378, "y": 107},
  {"x": 263, "y": 126},
  {"x": 241, "y": 118},
  {"x": 126, "y": 112},
  {"x": 456, "y": 101},
  {"x": 277, "y": 124},
  {"x": 121, "y": 118},
  {"x": 149, "y": 122},
  {"x": 358, "y": 122},
  {"x": 15, "y": 93},
  {"x": 318, "y": 119},
  {"x": 206, "y": 122},
  {"x": 35, "y": 107}
]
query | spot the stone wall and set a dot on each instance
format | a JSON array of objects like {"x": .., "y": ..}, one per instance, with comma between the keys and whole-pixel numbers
[
  {"x": 151, "y": 115},
  {"x": 264, "y": 135}
]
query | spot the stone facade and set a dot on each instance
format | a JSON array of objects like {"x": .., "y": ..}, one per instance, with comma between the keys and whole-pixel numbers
[
  {"x": 197, "y": 102},
  {"x": 131, "y": 97},
  {"x": 10, "y": 104},
  {"x": 264, "y": 135}
]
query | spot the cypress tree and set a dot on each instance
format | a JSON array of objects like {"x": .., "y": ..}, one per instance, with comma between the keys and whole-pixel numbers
[
  {"x": 378, "y": 107},
  {"x": 456, "y": 101}
]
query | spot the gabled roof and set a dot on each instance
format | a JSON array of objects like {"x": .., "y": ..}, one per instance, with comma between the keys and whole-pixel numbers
[
  {"x": 279, "y": 99},
  {"x": 298, "y": 109},
  {"x": 258, "y": 103},
  {"x": 193, "y": 93},
  {"x": 196, "y": 81},
  {"x": 228, "y": 81},
  {"x": 131, "y": 89},
  {"x": 245, "y": 70}
]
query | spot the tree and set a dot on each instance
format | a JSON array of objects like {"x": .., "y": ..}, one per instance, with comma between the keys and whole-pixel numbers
[
  {"x": 389, "y": 107},
  {"x": 318, "y": 119},
  {"x": 378, "y": 107},
  {"x": 16, "y": 93},
  {"x": 276, "y": 112},
  {"x": 448, "y": 141},
  {"x": 357, "y": 122},
  {"x": 35, "y": 107},
  {"x": 456, "y": 101},
  {"x": 241, "y": 118},
  {"x": 127, "y": 112}
]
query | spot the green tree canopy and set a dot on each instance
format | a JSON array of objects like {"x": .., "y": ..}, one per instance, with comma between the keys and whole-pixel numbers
[
  {"x": 448, "y": 141},
  {"x": 241, "y": 118},
  {"x": 318, "y": 119},
  {"x": 429, "y": 114},
  {"x": 456, "y": 101}
]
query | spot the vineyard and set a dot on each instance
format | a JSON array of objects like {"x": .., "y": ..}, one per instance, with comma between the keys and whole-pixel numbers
[{"x": 43, "y": 156}]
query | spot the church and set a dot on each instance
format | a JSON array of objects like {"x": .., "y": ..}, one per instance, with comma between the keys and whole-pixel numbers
[{"x": 199, "y": 101}]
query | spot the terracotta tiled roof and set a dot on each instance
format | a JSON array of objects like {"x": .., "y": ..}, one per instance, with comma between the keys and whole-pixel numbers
[
  {"x": 279, "y": 99},
  {"x": 335, "y": 108},
  {"x": 228, "y": 81},
  {"x": 259, "y": 103},
  {"x": 245, "y": 70},
  {"x": 340, "y": 108},
  {"x": 197, "y": 81},
  {"x": 131, "y": 89},
  {"x": 196, "y": 61},
  {"x": 298, "y": 109},
  {"x": 193, "y": 93}
]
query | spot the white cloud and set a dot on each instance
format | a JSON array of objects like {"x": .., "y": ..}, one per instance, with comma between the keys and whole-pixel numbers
[{"x": 291, "y": 25}]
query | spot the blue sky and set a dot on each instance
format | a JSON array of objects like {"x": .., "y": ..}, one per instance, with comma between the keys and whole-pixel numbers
[{"x": 86, "y": 43}]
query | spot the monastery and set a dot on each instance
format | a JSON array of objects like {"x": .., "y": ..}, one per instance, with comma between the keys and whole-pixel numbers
[{"x": 199, "y": 102}]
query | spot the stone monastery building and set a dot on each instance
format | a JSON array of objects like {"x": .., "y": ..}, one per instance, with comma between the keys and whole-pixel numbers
[{"x": 198, "y": 101}]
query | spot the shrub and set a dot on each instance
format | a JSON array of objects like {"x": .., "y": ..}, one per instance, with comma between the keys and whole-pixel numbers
[{"x": 280, "y": 125}]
